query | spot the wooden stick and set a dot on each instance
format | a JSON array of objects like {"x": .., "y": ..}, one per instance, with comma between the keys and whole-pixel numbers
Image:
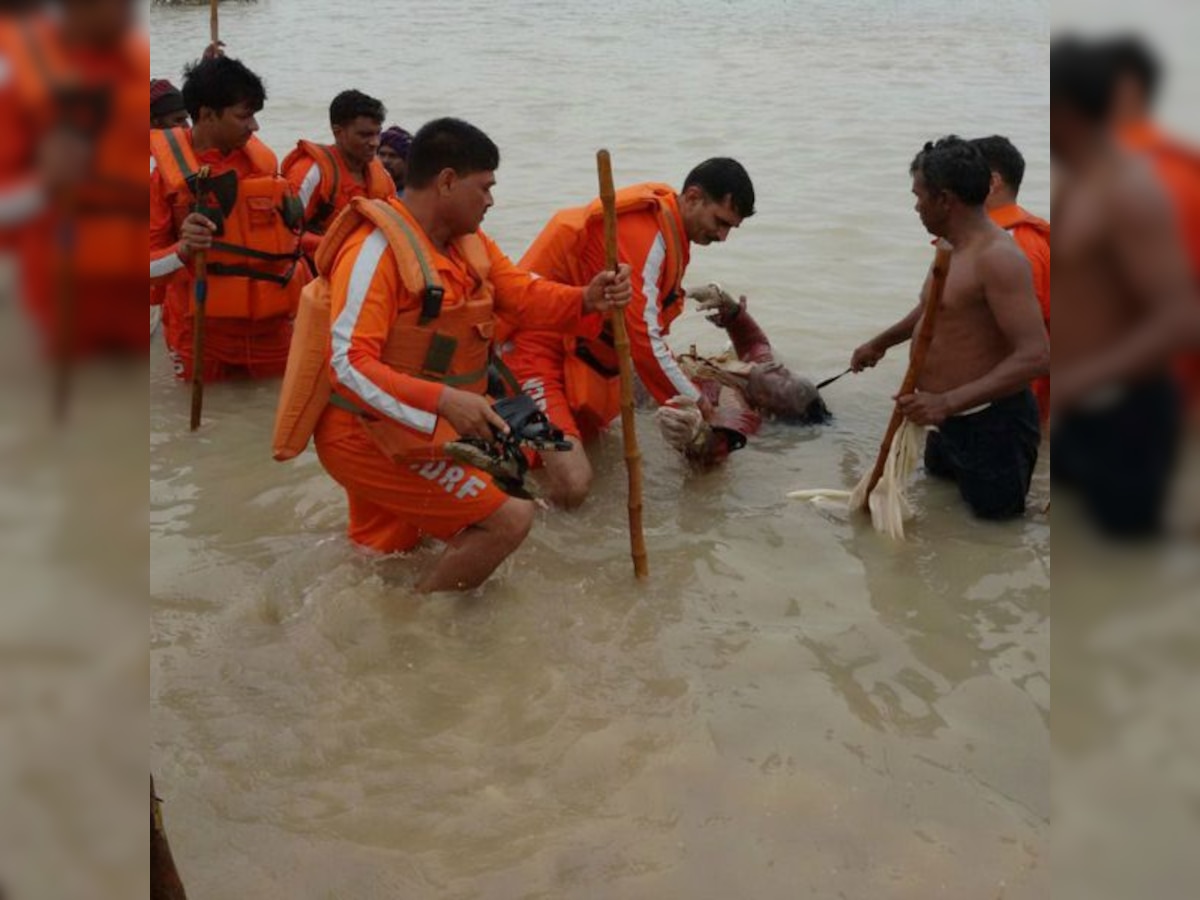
[
  {"x": 198, "y": 320},
  {"x": 633, "y": 454},
  {"x": 65, "y": 333},
  {"x": 165, "y": 883},
  {"x": 214, "y": 23},
  {"x": 916, "y": 361}
]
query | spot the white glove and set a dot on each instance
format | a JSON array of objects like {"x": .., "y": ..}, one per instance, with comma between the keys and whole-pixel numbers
[{"x": 681, "y": 423}]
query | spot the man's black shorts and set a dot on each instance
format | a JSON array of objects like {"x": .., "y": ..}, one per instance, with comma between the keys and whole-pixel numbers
[
  {"x": 1121, "y": 456},
  {"x": 990, "y": 454}
]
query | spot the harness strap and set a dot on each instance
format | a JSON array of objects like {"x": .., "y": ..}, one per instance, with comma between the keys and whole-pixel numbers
[{"x": 431, "y": 305}]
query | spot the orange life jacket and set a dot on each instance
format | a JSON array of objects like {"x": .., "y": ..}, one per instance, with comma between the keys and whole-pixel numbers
[
  {"x": 1177, "y": 166},
  {"x": 109, "y": 208},
  {"x": 337, "y": 190},
  {"x": 1009, "y": 217},
  {"x": 254, "y": 262},
  {"x": 590, "y": 369},
  {"x": 450, "y": 344}
]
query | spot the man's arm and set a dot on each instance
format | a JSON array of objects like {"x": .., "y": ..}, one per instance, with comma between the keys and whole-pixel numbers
[
  {"x": 652, "y": 357},
  {"x": 1149, "y": 253},
  {"x": 529, "y": 301},
  {"x": 750, "y": 343},
  {"x": 869, "y": 354},
  {"x": 304, "y": 175},
  {"x": 539, "y": 304},
  {"x": 367, "y": 291},
  {"x": 166, "y": 253},
  {"x": 22, "y": 193},
  {"x": 1008, "y": 292}
]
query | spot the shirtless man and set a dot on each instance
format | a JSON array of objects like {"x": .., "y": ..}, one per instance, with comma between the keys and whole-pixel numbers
[
  {"x": 990, "y": 341},
  {"x": 1124, "y": 303}
]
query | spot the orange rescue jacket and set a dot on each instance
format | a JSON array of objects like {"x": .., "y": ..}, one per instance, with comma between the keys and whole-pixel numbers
[
  {"x": 450, "y": 345},
  {"x": 338, "y": 188},
  {"x": 108, "y": 209},
  {"x": 1178, "y": 168},
  {"x": 254, "y": 262},
  {"x": 1032, "y": 235},
  {"x": 590, "y": 367}
]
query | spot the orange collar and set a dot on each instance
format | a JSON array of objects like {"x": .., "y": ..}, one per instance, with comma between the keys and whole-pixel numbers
[
  {"x": 1141, "y": 135},
  {"x": 1011, "y": 215}
]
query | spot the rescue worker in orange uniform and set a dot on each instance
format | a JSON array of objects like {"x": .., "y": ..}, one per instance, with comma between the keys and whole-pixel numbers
[
  {"x": 575, "y": 380},
  {"x": 328, "y": 177},
  {"x": 413, "y": 289},
  {"x": 73, "y": 203},
  {"x": 1031, "y": 233},
  {"x": 1177, "y": 165},
  {"x": 243, "y": 215},
  {"x": 166, "y": 111}
]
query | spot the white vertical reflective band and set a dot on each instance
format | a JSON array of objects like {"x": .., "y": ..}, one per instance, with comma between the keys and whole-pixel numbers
[
  {"x": 309, "y": 185},
  {"x": 662, "y": 353},
  {"x": 21, "y": 203},
  {"x": 361, "y": 276},
  {"x": 165, "y": 265}
]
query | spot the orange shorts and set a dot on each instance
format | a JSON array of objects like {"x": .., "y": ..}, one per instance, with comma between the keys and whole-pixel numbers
[
  {"x": 536, "y": 359},
  {"x": 391, "y": 506},
  {"x": 233, "y": 348}
]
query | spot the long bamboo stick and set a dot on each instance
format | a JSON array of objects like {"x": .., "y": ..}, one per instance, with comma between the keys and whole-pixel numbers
[
  {"x": 916, "y": 361},
  {"x": 214, "y": 22},
  {"x": 633, "y": 454},
  {"x": 165, "y": 883},
  {"x": 199, "y": 320}
]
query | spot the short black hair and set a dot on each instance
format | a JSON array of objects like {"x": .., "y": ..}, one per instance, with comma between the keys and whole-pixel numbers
[
  {"x": 1004, "y": 158},
  {"x": 954, "y": 165},
  {"x": 449, "y": 144},
  {"x": 1083, "y": 77},
  {"x": 350, "y": 105},
  {"x": 722, "y": 177},
  {"x": 1130, "y": 55},
  {"x": 219, "y": 83}
]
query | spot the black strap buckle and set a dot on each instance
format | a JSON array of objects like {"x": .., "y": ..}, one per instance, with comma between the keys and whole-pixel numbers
[{"x": 431, "y": 305}]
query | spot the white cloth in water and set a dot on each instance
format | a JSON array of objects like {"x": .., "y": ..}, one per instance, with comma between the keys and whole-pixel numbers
[{"x": 889, "y": 506}]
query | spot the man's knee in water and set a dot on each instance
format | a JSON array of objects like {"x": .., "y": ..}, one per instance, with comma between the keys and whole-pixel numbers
[
  {"x": 1127, "y": 515},
  {"x": 573, "y": 486},
  {"x": 936, "y": 463},
  {"x": 993, "y": 500},
  {"x": 510, "y": 524},
  {"x": 570, "y": 478}
]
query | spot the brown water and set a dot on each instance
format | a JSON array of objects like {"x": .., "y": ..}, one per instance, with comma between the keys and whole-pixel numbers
[{"x": 792, "y": 706}]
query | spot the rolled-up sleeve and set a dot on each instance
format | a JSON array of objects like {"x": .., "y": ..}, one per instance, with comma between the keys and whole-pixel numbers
[{"x": 530, "y": 301}]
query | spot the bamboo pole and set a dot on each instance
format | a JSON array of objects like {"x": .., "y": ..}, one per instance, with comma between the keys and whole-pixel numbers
[
  {"x": 165, "y": 883},
  {"x": 916, "y": 360},
  {"x": 67, "y": 303},
  {"x": 214, "y": 28},
  {"x": 199, "y": 319},
  {"x": 633, "y": 454}
]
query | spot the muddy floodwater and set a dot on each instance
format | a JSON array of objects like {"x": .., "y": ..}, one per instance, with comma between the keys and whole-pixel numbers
[{"x": 792, "y": 706}]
